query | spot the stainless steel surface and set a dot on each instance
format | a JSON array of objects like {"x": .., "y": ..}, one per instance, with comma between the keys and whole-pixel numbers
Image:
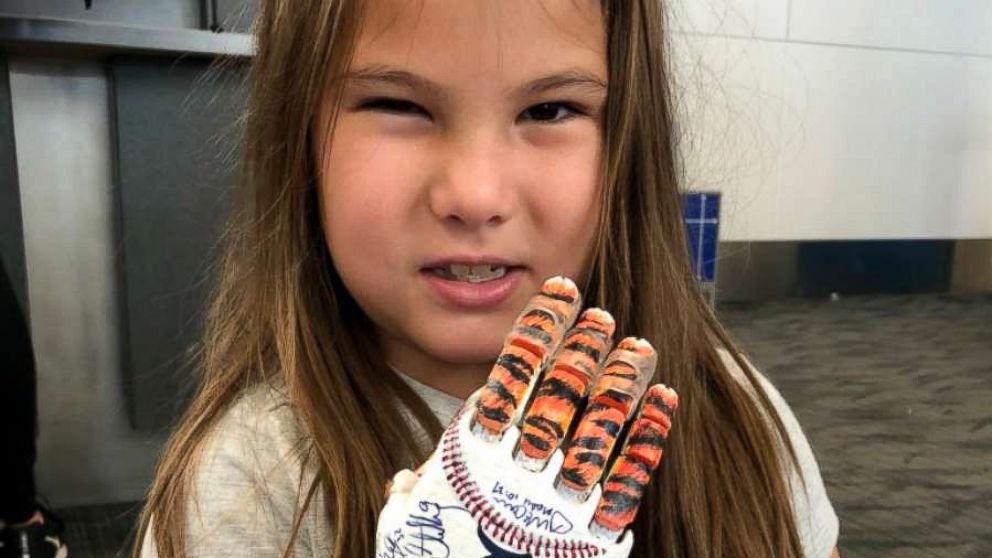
[
  {"x": 159, "y": 13},
  {"x": 71, "y": 37},
  {"x": 87, "y": 451}
]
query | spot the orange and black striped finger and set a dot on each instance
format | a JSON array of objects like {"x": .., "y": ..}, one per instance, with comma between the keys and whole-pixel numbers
[
  {"x": 640, "y": 456},
  {"x": 536, "y": 334},
  {"x": 564, "y": 387},
  {"x": 612, "y": 401},
  {"x": 626, "y": 375}
]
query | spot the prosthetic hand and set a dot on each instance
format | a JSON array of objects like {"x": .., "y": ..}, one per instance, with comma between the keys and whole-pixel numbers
[{"x": 512, "y": 480}]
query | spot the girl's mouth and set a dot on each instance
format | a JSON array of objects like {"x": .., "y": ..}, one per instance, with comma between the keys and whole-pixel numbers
[
  {"x": 473, "y": 287},
  {"x": 470, "y": 273}
]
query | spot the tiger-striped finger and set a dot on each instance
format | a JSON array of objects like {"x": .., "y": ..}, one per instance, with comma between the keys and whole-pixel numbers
[
  {"x": 536, "y": 334},
  {"x": 614, "y": 398},
  {"x": 640, "y": 456},
  {"x": 564, "y": 387}
]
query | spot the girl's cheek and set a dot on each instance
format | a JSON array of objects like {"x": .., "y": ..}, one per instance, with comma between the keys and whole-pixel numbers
[
  {"x": 369, "y": 162},
  {"x": 567, "y": 177}
]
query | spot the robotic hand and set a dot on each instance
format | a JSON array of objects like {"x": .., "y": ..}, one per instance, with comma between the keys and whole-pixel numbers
[{"x": 505, "y": 483}]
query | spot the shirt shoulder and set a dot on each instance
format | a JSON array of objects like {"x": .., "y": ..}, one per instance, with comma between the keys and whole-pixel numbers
[
  {"x": 816, "y": 520},
  {"x": 251, "y": 477}
]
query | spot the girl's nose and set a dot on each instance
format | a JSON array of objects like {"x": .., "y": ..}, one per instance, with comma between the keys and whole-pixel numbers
[{"x": 474, "y": 188}]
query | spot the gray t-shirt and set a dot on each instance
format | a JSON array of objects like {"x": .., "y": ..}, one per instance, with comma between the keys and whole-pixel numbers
[{"x": 250, "y": 476}]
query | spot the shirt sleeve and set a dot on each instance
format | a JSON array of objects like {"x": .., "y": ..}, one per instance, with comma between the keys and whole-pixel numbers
[
  {"x": 248, "y": 485},
  {"x": 816, "y": 520}
]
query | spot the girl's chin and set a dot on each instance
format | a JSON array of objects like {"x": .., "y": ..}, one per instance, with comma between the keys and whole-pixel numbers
[
  {"x": 463, "y": 339},
  {"x": 475, "y": 334},
  {"x": 464, "y": 342},
  {"x": 466, "y": 353}
]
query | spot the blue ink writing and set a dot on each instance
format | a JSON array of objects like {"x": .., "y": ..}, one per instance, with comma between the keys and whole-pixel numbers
[
  {"x": 422, "y": 536},
  {"x": 529, "y": 513}
]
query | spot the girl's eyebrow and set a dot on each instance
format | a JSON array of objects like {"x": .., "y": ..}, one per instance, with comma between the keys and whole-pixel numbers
[{"x": 382, "y": 74}]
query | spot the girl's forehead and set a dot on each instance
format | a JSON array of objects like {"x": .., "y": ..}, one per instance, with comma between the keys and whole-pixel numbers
[{"x": 483, "y": 37}]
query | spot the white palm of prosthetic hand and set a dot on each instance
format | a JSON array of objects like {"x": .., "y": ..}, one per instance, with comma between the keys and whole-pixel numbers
[
  {"x": 499, "y": 484},
  {"x": 472, "y": 500}
]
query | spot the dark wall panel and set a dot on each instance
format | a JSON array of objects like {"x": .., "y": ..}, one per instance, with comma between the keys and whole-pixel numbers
[
  {"x": 880, "y": 266},
  {"x": 176, "y": 147},
  {"x": 236, "y": 15},
  {"x": 11, "y": 224}
]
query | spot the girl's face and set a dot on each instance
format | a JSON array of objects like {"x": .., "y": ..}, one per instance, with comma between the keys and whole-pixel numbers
[{"x": 470, "y": 132}]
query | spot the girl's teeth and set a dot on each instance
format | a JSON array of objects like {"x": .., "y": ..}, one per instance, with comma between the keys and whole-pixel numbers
[{"x": 471, "y": 274}]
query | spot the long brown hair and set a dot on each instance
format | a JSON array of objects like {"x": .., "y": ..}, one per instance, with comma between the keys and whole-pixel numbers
[{"x": 281, "y": 314}]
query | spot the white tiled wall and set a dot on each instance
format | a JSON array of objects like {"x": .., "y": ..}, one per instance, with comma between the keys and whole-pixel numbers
[
  {"x": 746, "y": 18},
  {"x": 828, "y": 128},
  {"x": 957, "y": 26}
]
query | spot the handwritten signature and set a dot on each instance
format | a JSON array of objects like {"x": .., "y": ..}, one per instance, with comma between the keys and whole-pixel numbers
[
  {"x": 423, "y": 534},
  {"x": 529, "y": 513}
]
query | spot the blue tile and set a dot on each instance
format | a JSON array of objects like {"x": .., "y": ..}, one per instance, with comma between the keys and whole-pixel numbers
[
  {"x": 701, "y": 211},
  {"x": 708, "y": 258},
  {"x": 711, "y": 209},
  {"x": 691, "y": 205}
]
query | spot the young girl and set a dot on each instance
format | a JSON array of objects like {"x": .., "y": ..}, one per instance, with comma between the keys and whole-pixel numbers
[{"x": 388, "y": 141}]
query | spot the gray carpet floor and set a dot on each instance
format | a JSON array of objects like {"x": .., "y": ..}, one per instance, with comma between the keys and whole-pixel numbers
[{"x": 895, "y": 395}]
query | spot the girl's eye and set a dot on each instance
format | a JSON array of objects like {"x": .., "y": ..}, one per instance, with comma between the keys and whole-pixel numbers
[
  {"x": 395, "y": 106},
  {"x": 551, "y": 112},
  {"x": 545, "y": 112}
]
